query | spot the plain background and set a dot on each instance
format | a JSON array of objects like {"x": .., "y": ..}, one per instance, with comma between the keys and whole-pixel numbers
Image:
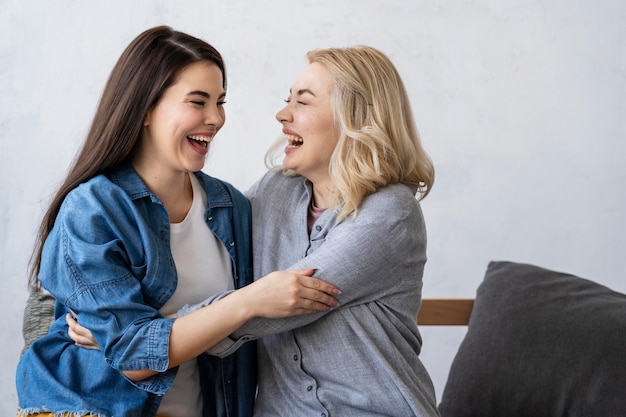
[{"x": 521, "y": 105}]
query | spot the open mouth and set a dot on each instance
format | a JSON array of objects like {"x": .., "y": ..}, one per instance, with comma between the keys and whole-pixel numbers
[
  {"x": 201, "y": 142},
  {"x": 293, "y": 141}
]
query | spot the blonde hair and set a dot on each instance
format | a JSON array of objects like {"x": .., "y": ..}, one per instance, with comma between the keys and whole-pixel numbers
[{"x": 378, "y": 143}]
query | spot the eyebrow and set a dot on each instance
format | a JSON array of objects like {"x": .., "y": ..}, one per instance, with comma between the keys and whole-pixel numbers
[
  {"x": 304, "y": 91},
  {"x": 204, "y": 94}
]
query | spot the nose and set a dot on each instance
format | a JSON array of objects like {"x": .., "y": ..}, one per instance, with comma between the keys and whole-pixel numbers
[
  {"x": 214, "y": 115},
  {"x": 283, "y": 115}
]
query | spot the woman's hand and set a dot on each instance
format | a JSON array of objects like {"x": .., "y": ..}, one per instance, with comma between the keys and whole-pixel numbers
[
  {"x": 290, "y": 293},
  {"x": 279, "y": 294},
  {"x": 80, "y": 335}
]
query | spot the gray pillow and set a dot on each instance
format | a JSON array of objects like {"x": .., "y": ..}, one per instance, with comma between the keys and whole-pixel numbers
[{"x": 540, "y": 343}]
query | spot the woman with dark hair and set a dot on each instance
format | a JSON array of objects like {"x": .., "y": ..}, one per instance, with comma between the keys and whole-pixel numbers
[{"x": 135, "y": 233}]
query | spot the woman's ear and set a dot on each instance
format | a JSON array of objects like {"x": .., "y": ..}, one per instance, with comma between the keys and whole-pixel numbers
[{"x": 146, "y": 120}]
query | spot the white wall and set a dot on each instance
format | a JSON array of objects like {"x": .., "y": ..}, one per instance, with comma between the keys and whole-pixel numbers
[{"x": 521, "y": 104}]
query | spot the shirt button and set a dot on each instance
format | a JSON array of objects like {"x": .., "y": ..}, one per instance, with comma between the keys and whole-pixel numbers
[
  {"x": 232, "y": 244},
  {"x": 210, "y": 218},
  {"x": 318, "y": 227},
  {"x": 309, "y": 388},
  {"x": 295, "y": 357},
  {"x": 323, "y": 414}
]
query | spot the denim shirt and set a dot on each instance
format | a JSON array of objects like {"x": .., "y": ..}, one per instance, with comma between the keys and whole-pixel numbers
[{"x": 108, "y": 259}]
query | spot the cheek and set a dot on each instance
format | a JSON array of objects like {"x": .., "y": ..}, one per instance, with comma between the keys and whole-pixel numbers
[
  {"x": 331, "y": 135},
  {"x": 161, "y": 116},
  {"x": 167, "y": 128},
  {"x": 316, "y": 125}
]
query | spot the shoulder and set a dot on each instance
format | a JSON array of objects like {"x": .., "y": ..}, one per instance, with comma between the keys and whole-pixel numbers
[
  {"x": 99, "y": 191},
  {"x": 275, "y": 182},
  {"x": 391, "y": 199},
  {"x": 390, "y": 212},
  {"x": 94, "y": 210},
  {"x": 392, "y": 208}
]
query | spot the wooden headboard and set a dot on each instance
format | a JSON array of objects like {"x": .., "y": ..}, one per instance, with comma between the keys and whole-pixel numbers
[{"x": 445, "y": 311}]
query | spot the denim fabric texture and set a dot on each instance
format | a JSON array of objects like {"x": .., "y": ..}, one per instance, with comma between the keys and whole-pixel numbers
[{"x": 108, "y": 259}]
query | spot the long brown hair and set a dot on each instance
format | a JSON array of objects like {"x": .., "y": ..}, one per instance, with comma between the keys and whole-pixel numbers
[{"x": 147, "y": 67}]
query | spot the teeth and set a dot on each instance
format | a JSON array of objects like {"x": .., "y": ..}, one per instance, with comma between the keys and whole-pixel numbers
[
  {"x": 294, "y": 140},
  {"x": 200, "y": 138}
]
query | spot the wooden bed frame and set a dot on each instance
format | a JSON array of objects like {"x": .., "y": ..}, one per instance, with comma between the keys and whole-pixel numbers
[{"x": 445, "y": 311}]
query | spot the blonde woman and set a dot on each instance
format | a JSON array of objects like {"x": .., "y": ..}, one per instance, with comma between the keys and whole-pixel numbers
[{"x": 344, "y": 201}]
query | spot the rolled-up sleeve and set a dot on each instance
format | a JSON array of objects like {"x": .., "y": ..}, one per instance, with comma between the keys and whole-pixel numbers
[
  {"x": 89, "y": 266},
  {"x": 379, "y": 253}
]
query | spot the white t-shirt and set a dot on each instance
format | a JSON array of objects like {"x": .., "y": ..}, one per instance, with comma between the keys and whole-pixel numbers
[{"x": 204, "y": 269}]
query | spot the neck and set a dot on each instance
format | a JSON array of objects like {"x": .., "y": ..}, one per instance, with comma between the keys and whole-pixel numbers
[
  {"x": 173, "y": 189},
  {"x": 322, "y": 196}
]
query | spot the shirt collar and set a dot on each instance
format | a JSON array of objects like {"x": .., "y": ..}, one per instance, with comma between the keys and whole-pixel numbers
[{"x": 127, "y": 178}]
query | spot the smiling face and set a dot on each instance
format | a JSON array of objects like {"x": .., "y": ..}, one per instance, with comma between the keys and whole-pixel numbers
[
  {"x": 178, "y": 130},
  {"x": 309, "y": 125}
]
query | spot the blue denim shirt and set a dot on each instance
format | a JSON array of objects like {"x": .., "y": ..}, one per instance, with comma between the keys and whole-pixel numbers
[{"x": 108, "y": 259}]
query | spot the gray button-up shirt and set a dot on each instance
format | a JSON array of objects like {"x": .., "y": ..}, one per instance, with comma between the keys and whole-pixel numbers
[{"x": 360, "y": 359}]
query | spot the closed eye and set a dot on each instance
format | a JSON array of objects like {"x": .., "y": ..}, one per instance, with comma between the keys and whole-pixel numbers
[{"x": 288, "y": 100}]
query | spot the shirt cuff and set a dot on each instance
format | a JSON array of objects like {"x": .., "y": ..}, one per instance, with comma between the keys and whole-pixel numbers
[
  {"x": 228, "y": 346},
  {"x": 186, "y": 309},
  {"x": 158, "y": 384}
]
